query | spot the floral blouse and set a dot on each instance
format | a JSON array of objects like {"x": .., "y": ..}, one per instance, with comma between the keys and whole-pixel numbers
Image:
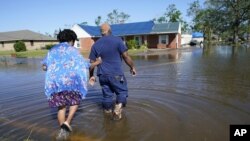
[{"x": 67, "y": 70}]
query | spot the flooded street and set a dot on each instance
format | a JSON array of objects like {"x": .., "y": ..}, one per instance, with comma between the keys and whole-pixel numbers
[{"x": 191, "y": 94}]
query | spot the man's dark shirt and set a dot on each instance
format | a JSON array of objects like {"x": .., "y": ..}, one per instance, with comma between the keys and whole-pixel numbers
[{"x": 110, "y": 49}]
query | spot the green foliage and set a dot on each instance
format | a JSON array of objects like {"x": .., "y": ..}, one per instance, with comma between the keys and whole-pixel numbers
[
  {"x": 19, "y": 46},
  {"x": 116, "y": 17},
  {"x": 144, "y": 46},
  {"x": 48, "y": 47},
  {"x": 194, "y": 8},
  {"x": 227, "y": 19},
  {"x": 161, "y": 19},
  {"x": 32, "y": 53},
  {"x": 172, "y": 14},
  {"x": 131, "y": 44},
  {"x": 98, "y": 20},
  {"x": 184, "y": 27}
]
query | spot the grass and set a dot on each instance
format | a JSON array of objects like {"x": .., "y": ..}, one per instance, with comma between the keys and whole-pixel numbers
[
  {"x": 6, "y": 52},
  {"x": 133, "y": 52},
  {"x": 30, "y": 53},
  {"x": 42, "y": 53}
]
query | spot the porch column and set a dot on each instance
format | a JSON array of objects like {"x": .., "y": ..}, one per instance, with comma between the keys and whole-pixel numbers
[
  {"x": 177, "y": 40},
  {"x": 145, "y": 40}
]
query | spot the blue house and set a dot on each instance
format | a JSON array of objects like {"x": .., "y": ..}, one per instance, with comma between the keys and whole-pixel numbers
[{"x": 154, "y": 35}]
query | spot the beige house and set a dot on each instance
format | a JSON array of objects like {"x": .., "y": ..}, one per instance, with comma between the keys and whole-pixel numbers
[{"x": 32, "y": 40}]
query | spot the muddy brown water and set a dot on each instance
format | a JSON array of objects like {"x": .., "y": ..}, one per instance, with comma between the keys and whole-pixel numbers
[{"x": 191, "y": 94}]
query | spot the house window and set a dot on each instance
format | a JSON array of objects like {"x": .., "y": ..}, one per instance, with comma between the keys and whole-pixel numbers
[
  {"x": 138, "y": 40},
  {"x": 77, "y": 44},
  {"x": 32, "y": 43},
  {"x": 163, "y": 39},
  {"x": 2, "y": 44}
]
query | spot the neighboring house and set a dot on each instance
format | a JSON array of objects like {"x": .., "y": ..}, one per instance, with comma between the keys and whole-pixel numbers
[
  {"x": 186, "y": 39},
  {"x": 164, "y": 35},
  {"x": 31, "y": 39}
]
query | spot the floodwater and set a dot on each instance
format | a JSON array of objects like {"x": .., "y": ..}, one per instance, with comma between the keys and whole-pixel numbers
[{"x": 191, "y": 94}]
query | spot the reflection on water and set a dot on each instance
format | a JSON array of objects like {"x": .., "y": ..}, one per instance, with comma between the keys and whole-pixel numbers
[{"x": 188, "y": 94}]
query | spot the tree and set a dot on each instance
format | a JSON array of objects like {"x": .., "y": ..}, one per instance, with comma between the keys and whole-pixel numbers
[
  {"x": 222, "y": 17},
  {"x": 84, "y": 23},
  {"x": 194, "y": 9},
  {"x": 202, "y": 19},
  {"x": 98, "y": 20},
  {"x": 123, "y": 16},
  {"x": 116, "y": 17},
  {"x": 237, "y": 13},
  {"x": 184, "y": 26},
  {"x": 161, "y": 19},
  {"x": 56, "y": 33},
  {"x": 47, "y": 34},
  {"x": 172, "y": 14}
]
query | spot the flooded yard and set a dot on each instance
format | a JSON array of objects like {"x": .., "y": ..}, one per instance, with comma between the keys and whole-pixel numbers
[{"x": 191, "y": 94}]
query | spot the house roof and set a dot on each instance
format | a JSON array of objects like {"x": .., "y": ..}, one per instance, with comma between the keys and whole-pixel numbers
[
  {"x": 92, "y": 30},
  {"x": 171, "y": 27},
  {"x": 24, "y": 35},
  {"x": 138, "y": 28}
]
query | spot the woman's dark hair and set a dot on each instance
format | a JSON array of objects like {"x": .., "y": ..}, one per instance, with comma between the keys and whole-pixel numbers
[{"x": 66, "y": 35}]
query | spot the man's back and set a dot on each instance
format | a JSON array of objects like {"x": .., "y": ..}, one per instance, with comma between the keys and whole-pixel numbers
[{"x": 109, "y": 48}]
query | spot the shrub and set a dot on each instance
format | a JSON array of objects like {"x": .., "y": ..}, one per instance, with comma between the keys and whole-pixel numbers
[
  {"x": 19, "y": 46},
  {"x": 48, "y": 47},
  {"x": 144, "y": 46},
  {"x": 131, "y": 44}
]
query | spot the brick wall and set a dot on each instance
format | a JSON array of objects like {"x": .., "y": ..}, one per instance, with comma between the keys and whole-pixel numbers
[
  {"x": 86, "y": 43},
  {"x": 152, "y": 41}
]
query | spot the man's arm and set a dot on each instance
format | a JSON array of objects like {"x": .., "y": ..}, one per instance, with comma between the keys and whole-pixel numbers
[
  {"x": 91, "y": 69},
  {"x": 129, "y": 62}
]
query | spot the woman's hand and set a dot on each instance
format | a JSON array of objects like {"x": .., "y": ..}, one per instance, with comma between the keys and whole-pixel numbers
[
  {"x": 92, "y": 80},
  {"x": 44, "y": 67}
]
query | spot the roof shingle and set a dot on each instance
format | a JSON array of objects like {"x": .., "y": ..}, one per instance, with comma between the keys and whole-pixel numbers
[
  {"x": 171, "y": 27},
  {"x": 24, "y": 35},
  {"x": 137, "y": 28}
]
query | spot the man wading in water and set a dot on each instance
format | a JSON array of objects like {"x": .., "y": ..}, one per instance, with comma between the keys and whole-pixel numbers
[{"x": 111, "y": 50}]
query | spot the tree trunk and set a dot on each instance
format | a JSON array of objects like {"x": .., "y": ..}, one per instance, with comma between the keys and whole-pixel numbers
[{"x": 235, "y": 36}]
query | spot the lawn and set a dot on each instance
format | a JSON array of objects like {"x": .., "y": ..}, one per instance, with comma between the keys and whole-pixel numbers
[
  {"x": 133, "y": 52},
  {"x": 6, "y": 52},
  {"x": 30, "y": 53},
  {"x": 42, "y": 53}
]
